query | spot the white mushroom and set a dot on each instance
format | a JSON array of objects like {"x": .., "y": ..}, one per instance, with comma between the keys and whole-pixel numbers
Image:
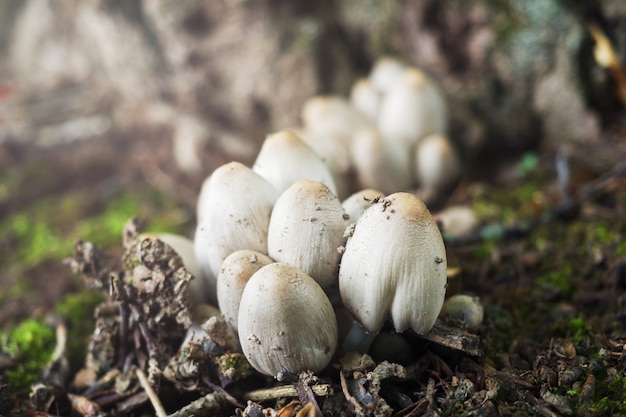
[
  {"x": 306, "y": 229},
  {"x": 237, "y": 217},
  {"x": 457, "y": 221},
  {"x": 437, "y": 163},
  {"x": 412, "y": 109},
  {"x": 335, "y": 152},
  {"x": 365, "y": 98},
  {"x": 203, "y": 199},
  {"x": 332, "y": 115},
  {"x": 236, "y": 270},
  {"x": 394, "y": 263},
  {"x": 286, "y": 322},
  {"x": 385, "y": 72},
  {"x": 284, "y": 158},
  {"x": 380, "y": 164},
  {"x": 357, "y": 203}
]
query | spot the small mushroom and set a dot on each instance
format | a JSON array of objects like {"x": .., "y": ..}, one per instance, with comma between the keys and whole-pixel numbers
[
  {"x": 437, "y": 164},
  {"x": 332, "y": 115},
  {"x": 286, "y": 322},
  {"x": 412, "y": 109},
  {"x": 357, "y": 203},
  {"x": 306, "y": 229},
  {"x": 284, "y": 158},
  {"x": 365, "y": 98},
  {"x": 236, "y": 270},
  {"x": 381, "y": 164},
  {"x": 457, "y": 221},
  {"x": 394, "y": 263},
  {"x": 237, "y": 217},
  {"x": 385, "y": 72},
  {"x": 464, "y": 311},
  {"x": 335, "y": 153}
]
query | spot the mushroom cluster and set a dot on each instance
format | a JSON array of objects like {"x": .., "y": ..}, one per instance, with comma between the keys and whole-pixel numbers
[{"x": 329, "y": 211}]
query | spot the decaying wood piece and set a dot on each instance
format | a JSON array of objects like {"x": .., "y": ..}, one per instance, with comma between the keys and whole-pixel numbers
[
  {"x": 454, "y": 338},
  {"x": 287, "y": 391}
]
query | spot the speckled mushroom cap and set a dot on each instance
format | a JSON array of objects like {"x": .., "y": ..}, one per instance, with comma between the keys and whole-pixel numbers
[
  {"x": 306, "y": 229},
  {"x": 236, "y": 271},
  {"x": 286, "y": 322},
  {"x": 237, "y": 217},
  {"x": 394, "y": 264}
]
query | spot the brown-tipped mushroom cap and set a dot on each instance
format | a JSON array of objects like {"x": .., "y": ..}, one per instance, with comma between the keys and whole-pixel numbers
[
  {"x": 394, "y": 264},
  {"x": 286, "y": 322}
]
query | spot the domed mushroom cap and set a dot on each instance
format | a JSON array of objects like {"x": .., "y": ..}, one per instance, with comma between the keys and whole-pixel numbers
[
  {"x": 237, "y": 217},
  {"x": 286, "y": 322},
  {"x": 284, "y": 158},
  {"x": 412, "y": 109},
  {"x": 437, "y": 163},
  {"x": 236, "y": 271},
  {"x": 306, "y": 229},
  {"x": 203, "y": 201},
  {"x": 365, "y": 98},
  {"x": 357, "y": 203},
  {"x": 332, "y": 115},
  {"x": 394, "y": 263},
  {"x": 335, "y": 153},
  {"x": 385, "y": 72},
  {"x": 381, "y": 164}
]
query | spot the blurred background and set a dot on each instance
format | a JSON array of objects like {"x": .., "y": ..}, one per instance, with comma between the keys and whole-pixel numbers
[{"x": 113, "y": 108}]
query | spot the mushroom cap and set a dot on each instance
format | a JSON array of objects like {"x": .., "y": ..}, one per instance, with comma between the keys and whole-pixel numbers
[
  {"x": 203, "y": 199},
  {"x": 437, "y": 162},
  {"x": 357, "y": 203},
  {"x": 381, "y": 164},
  {"x": 385, "y": 72},
  {"x": 306, "y": 229},
  {"x": 237, "y": 217},
  {"x": 412, "y": 109},
  {"x": 394, "y": 263},
  {"x": 286, "y": 322},
  {"x": 285, "y": 158},
  {"x": 365, "y": 98},
  {"x": 332, "y": 115},
  {"x": 236, "y": 271},
  {"x": 335, "y": 153},
  {"x": 464, "y": 311}
]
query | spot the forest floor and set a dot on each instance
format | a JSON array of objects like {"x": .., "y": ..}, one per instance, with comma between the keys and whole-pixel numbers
[{"x": 548, "y": 265}]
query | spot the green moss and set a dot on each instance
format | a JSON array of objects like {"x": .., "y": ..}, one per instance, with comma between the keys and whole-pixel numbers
[
  {"x": 31, "y": 345},
  {"x": 77, "y": 311},
  {"x": 235, "y": 365},
  {"x": 612, "y": 401},
  {"x": 560, "y": 280},
  {"x": 578, "y": 325},
  {"x": 49, "y": 229}
]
